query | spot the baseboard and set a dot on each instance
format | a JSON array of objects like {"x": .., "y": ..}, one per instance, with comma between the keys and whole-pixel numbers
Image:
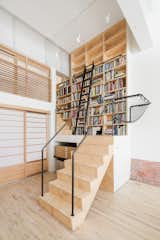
[{"x": 145, "y": 171}]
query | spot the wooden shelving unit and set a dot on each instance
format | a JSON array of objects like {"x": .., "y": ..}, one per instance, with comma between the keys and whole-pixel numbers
[
  {"x": 108, "y": 52},
  {"x": 63, "y": 101}
]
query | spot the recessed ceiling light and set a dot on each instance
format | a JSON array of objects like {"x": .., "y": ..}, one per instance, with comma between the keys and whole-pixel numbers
[
  {"x": 78, "y": 39},
  {"x": 108, "y": 18},
  {"x": 56, "y": 54}
]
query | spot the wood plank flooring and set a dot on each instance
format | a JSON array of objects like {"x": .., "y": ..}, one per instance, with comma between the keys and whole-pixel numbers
[{"x": 133, "y": 213}]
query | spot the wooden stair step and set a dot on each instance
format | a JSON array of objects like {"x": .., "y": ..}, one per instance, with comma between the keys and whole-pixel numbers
[
  {"x": 82, "y": 181},
  {"x": 92, "y": 150},
  {"x": 64, "y": 191},
  {"x": 60, "y": 209},
  {"x": 98, "y": 140},
  {"x": 87, "y": 158},
  {"x": 91, "y": 164},
  {"x": 83, "y": 168}
]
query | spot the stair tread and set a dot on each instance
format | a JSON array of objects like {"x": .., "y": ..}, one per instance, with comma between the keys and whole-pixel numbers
[
  {"x": 67, "y": 188},
  {"x": 81, "y": 176},
  {"x": 60, "y": 204}
]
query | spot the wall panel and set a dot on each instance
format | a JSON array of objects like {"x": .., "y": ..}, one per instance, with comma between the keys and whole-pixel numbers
[
  {"x": 23, "y": 134},
  {"x": 11, "y": 137}
]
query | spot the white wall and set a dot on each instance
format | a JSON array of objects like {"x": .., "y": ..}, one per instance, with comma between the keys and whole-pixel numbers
[
  {"x": 122, "y": 160},
  {"x": 22, "y": 38},
  {"x": 144, "y": 77}
]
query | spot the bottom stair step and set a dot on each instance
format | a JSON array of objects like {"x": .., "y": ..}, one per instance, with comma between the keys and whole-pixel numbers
[{"x": 61, "y": 210}]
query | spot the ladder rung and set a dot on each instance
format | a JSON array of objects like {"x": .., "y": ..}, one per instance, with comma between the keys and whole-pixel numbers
[
  {"x": 87, "y": 79},
  {"x": 85, "y": 94},
  {"x": 86, "y": 86}
]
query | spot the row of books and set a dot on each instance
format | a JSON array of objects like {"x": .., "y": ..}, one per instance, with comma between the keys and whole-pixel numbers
[
  {"x": 98, "y": 100},
  {"x": 66, "y": 115},
  {"x": 65, "y": 100},
  {"x": 97, "y": 81},
  {"x": 96, "y": 90},
  {"x": 95, "y": 120},
  {"x": 79, "y": 130},
  {"x": 96, "y": 110},
  {"x": 76, "y": 87},
  {"x": 63, "y": 90},
  {"x": 120, "y": 93},
  {"x": 120, "y": 106},
  {"x": 113, "y": 74},
  {"x": 115, "y": 85},
  {"x": 119, "y": 118},
  {"x": 108, "y": 108},
  {"x": 120, "y": 83},
  {"x": 120, "y": 130},
  {"x": 98, "y": 69},
  {"x": 121, "y": 60},
  {"x": 77, "y": 79},
  {"x": 75, "y": 96},
  {"x": 95, "y": 131}
]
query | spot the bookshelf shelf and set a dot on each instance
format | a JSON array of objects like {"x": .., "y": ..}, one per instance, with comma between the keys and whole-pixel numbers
[{"x": 63, "y": 99}]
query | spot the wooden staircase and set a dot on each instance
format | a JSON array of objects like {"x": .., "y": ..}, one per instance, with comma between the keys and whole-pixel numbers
[{"x": 91, "y": 162}]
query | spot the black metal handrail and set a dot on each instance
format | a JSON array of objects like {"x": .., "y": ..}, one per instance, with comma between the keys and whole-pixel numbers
[
  {"x": 73, "y": 170},
  {"x": 146, "y": 103},
  {"x": 42, "y": 154}
]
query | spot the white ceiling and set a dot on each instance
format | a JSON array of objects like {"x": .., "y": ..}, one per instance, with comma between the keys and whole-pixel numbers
[{"x": 63, "y": 20}]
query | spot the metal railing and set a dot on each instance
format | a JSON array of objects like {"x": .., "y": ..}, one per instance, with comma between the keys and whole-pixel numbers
[
  {"x": 42, "y": 154},
  {"x": 145, "y": 102}
]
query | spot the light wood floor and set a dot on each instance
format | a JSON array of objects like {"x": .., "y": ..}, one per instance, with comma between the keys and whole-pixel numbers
[{"x": 133, "y": 213}]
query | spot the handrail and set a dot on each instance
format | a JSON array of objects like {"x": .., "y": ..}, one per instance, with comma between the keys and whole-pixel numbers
[
  {"x": 73, "y": 153},
  {"x": 42, "y": 154},
  {"x": 146, "y": 103}
]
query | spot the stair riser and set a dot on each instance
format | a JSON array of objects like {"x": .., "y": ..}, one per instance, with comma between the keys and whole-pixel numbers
[
  {"x": 65, "y": 195},
  {"x": 98, "y": 140},
  {"x": 55, "y": 212},
  {"x": 82, "y": 169},
  {"x": 84, "y": 158},
  {"x": 91, "y": 150},
  {"x": 79, "y": 183}
]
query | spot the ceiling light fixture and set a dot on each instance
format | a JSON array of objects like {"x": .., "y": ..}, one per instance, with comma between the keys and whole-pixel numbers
[
  {"x": 108, "y": 18},
  {"x": 78, "y": 39}
]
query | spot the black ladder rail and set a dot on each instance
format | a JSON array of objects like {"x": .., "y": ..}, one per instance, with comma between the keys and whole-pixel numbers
[
  {"x": 84, "y": 73},
  {"x": 42, "y": 154},
  {"x": 86, "y": 115},
  {"x": 83, "y": 94}
]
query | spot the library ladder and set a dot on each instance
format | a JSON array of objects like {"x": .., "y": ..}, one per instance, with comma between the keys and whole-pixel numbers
[{"x": 82, "y": 111}]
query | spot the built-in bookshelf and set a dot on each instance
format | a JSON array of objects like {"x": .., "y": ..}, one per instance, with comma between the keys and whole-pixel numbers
[
  {"x": 63, "y": 99},
  {"x": 109, "y": 80},
  {"x": 108, "y": 52}
]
